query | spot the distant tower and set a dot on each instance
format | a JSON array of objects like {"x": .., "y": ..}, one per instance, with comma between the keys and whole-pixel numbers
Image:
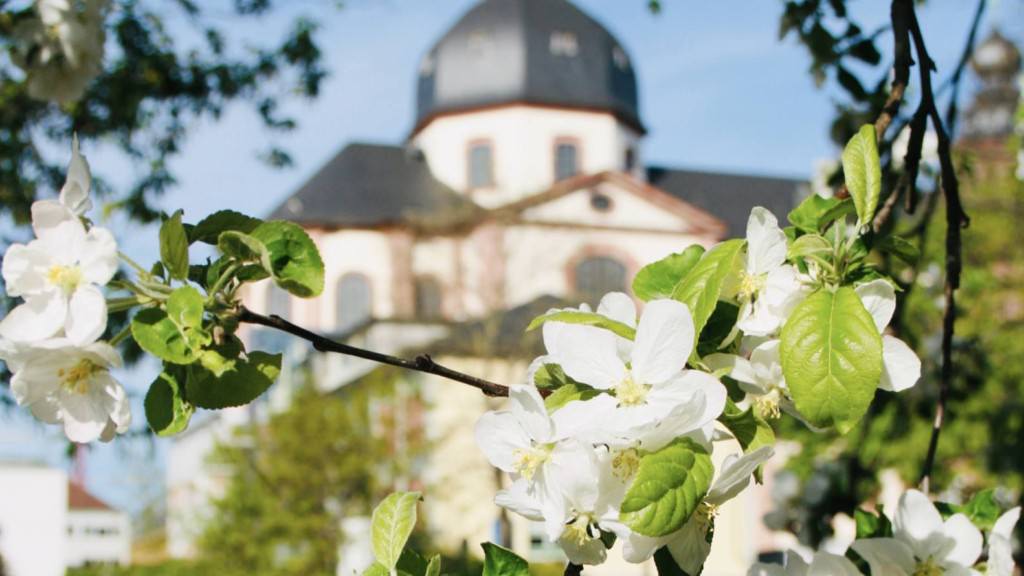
[{"x": 990, "y": 116}]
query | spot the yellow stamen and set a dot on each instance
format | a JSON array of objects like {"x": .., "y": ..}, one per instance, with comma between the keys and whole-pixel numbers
[
  {"x": 578, "y": 531},
  {"x": 770, "y": 404},
  {"x": 630, "y": 392},
  {"x": 928, "y": 568},
  {"x": 66, "y": 277},
  {"x": 625, "y": 464},
  {"x": 78, "y": 378},
  {"x": 528, "y": 461},
  {"x": 751, "y": 284}
]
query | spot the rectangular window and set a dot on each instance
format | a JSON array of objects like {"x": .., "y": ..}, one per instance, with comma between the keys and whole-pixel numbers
[
  {"x": 481, "y": 165},
  {"x": 565, "y": 161}
]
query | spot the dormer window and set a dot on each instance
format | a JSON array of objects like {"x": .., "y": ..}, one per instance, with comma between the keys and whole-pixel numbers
[
  {"x": 566, "y": 159},
  {"x": 564, "y": 43},
  {"x": 481, "y": 165}
]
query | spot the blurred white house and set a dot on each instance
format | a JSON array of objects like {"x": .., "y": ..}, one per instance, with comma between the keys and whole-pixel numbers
[
  {"x": 48, "y": 524},
  {"x": 521, "y": 186}
]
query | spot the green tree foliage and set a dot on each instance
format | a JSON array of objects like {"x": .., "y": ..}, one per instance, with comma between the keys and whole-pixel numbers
[
  {"x": 315, "y": 464},
  {"x": 167, "y": 64}
]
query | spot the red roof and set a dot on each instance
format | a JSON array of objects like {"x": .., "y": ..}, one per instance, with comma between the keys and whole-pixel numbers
[{"x": 80, "y": 499}]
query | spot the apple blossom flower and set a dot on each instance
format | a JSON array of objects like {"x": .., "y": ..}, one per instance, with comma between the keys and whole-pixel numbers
[
  {"x": 760, "y": 377},
  {"x": 768, "y": 288},
  {"x": 652, "y": 385},
  {"x": 923, "y": 545},
  {"x": 821, "y": 564},
  {"x": 1000, "y": 551},
  {"x": 63, "y": 383},
  {"x": 901, "y": 368}
]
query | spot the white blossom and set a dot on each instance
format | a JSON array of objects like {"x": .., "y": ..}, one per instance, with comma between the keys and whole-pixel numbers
[
  {"x": 922, "y": 543},
  {"x": 62, "y": 383},
  {"x": 643, "y": 390},
  {"x": 768, "y": 289},
  {"x": 821, "y": 564},
  {"x": 901, "y": 368},
  {"x": 1000, "y": 548}
]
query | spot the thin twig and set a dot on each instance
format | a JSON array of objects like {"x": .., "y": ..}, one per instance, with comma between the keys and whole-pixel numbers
[
  {"x": 956, "y": 220},
  {"x": 421, "y": 363},
  {"x": 573, "y": 569}
]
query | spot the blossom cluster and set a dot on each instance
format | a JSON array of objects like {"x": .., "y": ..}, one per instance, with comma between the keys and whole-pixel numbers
[
  {"x": 921, "y": 543},
  {"x": 60, "y": 47},
  {"x": 51, "y": 341}
]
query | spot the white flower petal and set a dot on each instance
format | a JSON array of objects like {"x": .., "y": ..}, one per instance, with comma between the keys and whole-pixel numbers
[
  {"x": 75, "y": 193},
  {"x": 825, "y": 564},
  {"x": 916, "y": 522},
  {"x": 588, "y": 355},
  {"x": 499, "y": 435},
  {"x": 796, "y": 565},
  {"x": 619, "y": 307},
  {"x": 63, "y": 242},
  {"x": 528, "y": 409},
  {"x": 1000, "y": 550},
  {"x": 706, "y": 394},
  {"x": 762, "y": 320},
  {"x": 98, "y": 258},
  {"x": 966, "y": 538},
  {"x": 24, "y": 269},
  {"x": 901, "y": 368},
  {"x": 516, "y": 498},
  {"x": 108, "y": 393},
  {"x": 736, "y": 474},
  {"x": 664, "y": 341},
  {"x": 766, "y": 242},
  {"x": 47, "y": 214},
  {"x": 635, "y": 547},
  {"x": 46, "y": 410},
  {"x": 87, "y": 315},
  {"x": 590, "y": 552},
  {"x": 84, "y": 419},
  {"x": 40, "y": 316},
  {"x": 103, "y": 354},
  {"x": 879, "y": 298},
  {"x": 886, "y": 556},
  {"x": 689, "y": 547},
  {"x": 760, "y": 569},
  {"x": 585, "y": 420}
]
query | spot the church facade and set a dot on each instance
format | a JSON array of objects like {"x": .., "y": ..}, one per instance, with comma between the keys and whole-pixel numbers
[{"x": 521, "y": 186}]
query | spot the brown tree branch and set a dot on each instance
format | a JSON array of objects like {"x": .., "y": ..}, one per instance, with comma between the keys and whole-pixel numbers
[
  {"x": 573, "y": 570},
  {"x": 422, "y": 363}
]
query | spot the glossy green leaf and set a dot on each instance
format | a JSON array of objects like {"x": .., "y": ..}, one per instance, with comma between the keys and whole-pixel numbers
[
  {"x": 209, "y": 229},
  {"x": 831, "y": 356},
  {"x": 702, "y": 287},
  {"x": 434, "y": 566},
  {"x": 567, "y": 393},
  {"x": 411, "y": 562},
  {"x": 166, "y": 411},
  {"x": 392, "y": 523},
  {"x": 659, "y": 279},
  {"x": 376, "y": 569},
  {"x": 587, "y": 318},
  {"x": 295, "y": 262},
  {"x": 901, "y": 248},
  {"x": 500, "y": 561},
  {"x": 718, "y": 328},
  {"x": 666, "y": 564},
  {"x": 174, "y": 247},
  {"x": 668, "y": 487},
  {"x": 863, "y": 173},
  {"x": 238, "y": 385},
  {"x": 982, "y": 509},
  {"x": 750, "y": 429},
  {"x": 550, "y": 376},
  {"x": 814, "y": 213},
  {"x": 242, "y": 247},
  {"x": 809, "y": 245},
  {"x": 871, "y": 525},
  {"x": 185, "y": 307},
  {"x": 157, "y": 334}
]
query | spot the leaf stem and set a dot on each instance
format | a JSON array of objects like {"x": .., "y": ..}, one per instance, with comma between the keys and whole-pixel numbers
[
  {"x": 135, "y": 265},
  {"x": 224, "y": 278},
  {"x": 120, "y": 336}
]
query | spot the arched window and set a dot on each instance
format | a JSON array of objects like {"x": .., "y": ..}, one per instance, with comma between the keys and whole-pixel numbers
[
  {"x": 351, "y": 301},
  {"x": 428, "y": 298},
  {"x": 279, "y": 302},
  {"x": 566, "y": 160},
  {"x": 481, "y": 165},
  {"x": 596, "y": 276}
]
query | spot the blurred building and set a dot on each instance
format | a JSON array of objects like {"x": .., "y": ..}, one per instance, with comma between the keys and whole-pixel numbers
[
  {"x": 521, "y": 186},
  {"x": 48, "y": 524}
]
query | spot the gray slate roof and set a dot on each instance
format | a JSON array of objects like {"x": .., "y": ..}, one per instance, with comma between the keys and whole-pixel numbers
[
  {"x": 730, "y": 197},
  {"x": 501, "y": 52},
  {"x": 371, "y": 185}
]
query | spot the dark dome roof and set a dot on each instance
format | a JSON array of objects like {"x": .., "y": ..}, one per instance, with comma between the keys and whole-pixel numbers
[{"x": 527, "y": 51}]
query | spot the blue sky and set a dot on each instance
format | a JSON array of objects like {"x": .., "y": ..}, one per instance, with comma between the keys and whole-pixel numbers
[{"x": 718, "y": 91}]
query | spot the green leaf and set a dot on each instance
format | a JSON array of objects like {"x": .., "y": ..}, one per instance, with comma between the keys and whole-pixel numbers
[
  {"x": 208, "y": 229},
  {"x": 295, "y": 261},
  {"x": 982, "y": 509},
  {"x": 659, "y": 279},
  {"x": 831, "y": 356},
  {"x": 666, "y": 564},
  {"x": 500, "y": 561},
  {"x": 392, "y": 523},
  {"x": 667, "y": 488},
  {"x": 863, "y": 173},
  {"x": 809, "y": 245},
  {"x": 174, "y": 247},
  {"x": 166, "y": 411},
  {"x": 157, "y": 334},
  {"x": 243, "y": 248},
  {"x": 815, "y": 213},
  {"x": 434, "y": 566},
  {"x": 550, "y": 376},
  {"x": 376, "y": 569},
  {"x": 411, "y": 562},
  {"x": 567, "y": 393},
  {"x": 242, "y": 383},
  {"x": 871, "y": 525},
  {"x": 718, "y": 328},
  {"x": 185, "y": 307},
  {"x": 587, "y": 318},
  {"x": 751, "y": 430},
  {"x": 702, "y": 287},
  {"x": 901, "y": 248}
]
